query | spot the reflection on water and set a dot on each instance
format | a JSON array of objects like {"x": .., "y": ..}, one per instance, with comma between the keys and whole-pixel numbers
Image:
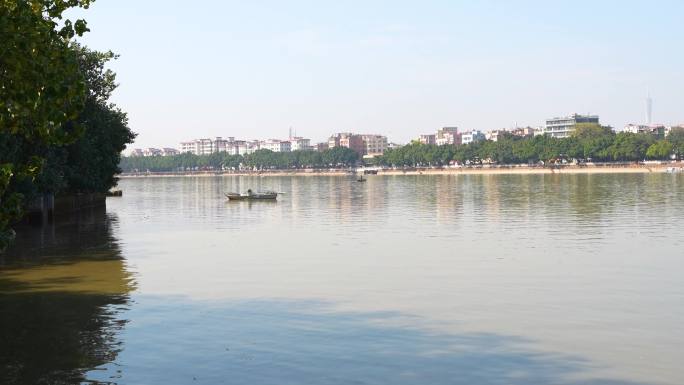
[
  {"x": 521, "y": 279},
  {"x": 298, "y": 342},
  {"x": 62, "y": 290}
]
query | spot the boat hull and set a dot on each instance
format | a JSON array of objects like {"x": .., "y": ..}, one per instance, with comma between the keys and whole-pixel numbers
[{"x": 253, "y": 197}]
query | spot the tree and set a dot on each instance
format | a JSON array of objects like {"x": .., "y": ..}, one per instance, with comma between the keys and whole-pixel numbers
[
  {"x": 41, "y": 89},
  {"x": 630, "y": 146},
  {"x": 676, "y": 137},
  {"x": 594, "y": 139},
  {"x": 660, "y": 150},
  {"x": 93, "y": 159}
]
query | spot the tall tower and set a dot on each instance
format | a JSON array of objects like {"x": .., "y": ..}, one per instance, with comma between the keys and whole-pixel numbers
[{"x": 649, "y": 109}]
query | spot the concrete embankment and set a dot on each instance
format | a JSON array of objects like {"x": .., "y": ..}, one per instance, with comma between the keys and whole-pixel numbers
[{"x": 47, "y": 207}]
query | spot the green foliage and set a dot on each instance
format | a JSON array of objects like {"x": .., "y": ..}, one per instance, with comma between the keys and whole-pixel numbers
[
  {"x": 40, "y": 81},
  {"x": 588, "y": 142},
  {"x": 630, "y": 147},
  {"x": 418, "y": 154},
  {"x": 594, "y": 140},
  {"x": 259, "y": 160},
  {"x": 676, "y": 137},
  {"x": 58, "y": 132},
  {"x": 90, "y": 163},
  {"x": 659, "y": 150},
  {"x": 41, "y": 87}
]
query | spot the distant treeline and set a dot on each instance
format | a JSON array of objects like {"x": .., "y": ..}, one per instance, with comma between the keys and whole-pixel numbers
[
  {"x": 589, "y": 142},
  {"x": 260, "y": 159}
]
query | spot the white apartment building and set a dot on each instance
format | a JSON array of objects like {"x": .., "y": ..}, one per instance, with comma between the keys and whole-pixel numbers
[
  {"x": 447, "y": 135},
  {"x": 198, "y": 146},
  {"x": 564, "y": 126},
  {"x": 374, "y": 144},
  {"x": 300, "y": 144},
  {"x": 152, "y": 152},
  {"x": 472, "y": 136},
  {"x": 221, "y": 145},
  {"x": 169, "y": 151},
  {"x": 493, "y": 135},
  {"x": 655, "y": 129},
  {"x": 244, "y": 148},
  {"x": 276, "y": 145}
]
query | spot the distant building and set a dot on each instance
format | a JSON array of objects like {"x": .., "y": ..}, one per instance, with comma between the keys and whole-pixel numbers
[
  {"x": 427, "y": 139},
  {"x": 657, "y": 130},
  {"x": 349, "y": 140},
  {"x": 334, "y": 141},
  {"x": 448, "y": 135},
  {"x": 152, "y": 152},
  {"x": 353, "y": 142},
  {"x": 374, "y": 144},
  {"x": 562, "y": 127},
  {"x": 276, "y": 145},
  {"x": 300, "y": 144},
  {"x": 221, "y": 145},
  {"x": 320, "y": 147},
  {"x": 472, "y": 136},
  {"x": 198, "y": 146},
  {"x": 243, "y": 147},
  {"x": 493, "y": 135},
  {"x": 166, "y": 151},
  {"x": 523, "y": 131},
  {"x": 137, "y": 152}
]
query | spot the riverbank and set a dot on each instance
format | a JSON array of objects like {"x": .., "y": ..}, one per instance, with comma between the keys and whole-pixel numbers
[{"x": 605, "y": 168}]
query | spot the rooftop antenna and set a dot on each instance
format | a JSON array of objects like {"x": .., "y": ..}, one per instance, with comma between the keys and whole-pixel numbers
[{"x": 290, "y": 132}]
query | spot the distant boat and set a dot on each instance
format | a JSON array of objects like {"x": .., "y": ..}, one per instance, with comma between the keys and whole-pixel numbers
[{"x": 252, "y": 196}]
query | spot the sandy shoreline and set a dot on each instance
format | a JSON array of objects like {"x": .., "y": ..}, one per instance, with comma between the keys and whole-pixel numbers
[{"x": 500, "y": 170}]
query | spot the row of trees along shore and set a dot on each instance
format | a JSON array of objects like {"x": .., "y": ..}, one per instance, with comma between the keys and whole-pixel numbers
[
  {"x": 589, "y": 142},
  {"x": 59, "y": 133},
  {"x": 261, "y": 159}
]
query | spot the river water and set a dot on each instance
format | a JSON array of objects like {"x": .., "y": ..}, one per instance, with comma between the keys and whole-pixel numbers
[{"x": 519, "y": 279}]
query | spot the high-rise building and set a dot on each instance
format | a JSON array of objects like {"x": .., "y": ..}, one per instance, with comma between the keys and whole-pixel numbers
[
  {"x": 472, "y": 136},
  {"x": 300, "y": 144},
  {"x": 374, "y": 144},
  {"x": 562, "y": 127},
  {"x": 427, "y": 139},
  {"x": 198, "y": 146},
  {"x": 349, "y": 140},
  {"x": 276, "y": 145},
  {"x": 447, "y": 135},
  {"x": 166, "y": 151}
]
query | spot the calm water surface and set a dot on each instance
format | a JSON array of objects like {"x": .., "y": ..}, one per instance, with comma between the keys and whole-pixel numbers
[{"x": 539, "y": 279}]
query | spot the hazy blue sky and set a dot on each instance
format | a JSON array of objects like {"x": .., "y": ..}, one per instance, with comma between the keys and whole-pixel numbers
[{"x": 252, "y": 69}]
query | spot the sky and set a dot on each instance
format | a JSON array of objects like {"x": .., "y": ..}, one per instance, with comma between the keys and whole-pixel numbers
[{"x": 253, "y": 69}]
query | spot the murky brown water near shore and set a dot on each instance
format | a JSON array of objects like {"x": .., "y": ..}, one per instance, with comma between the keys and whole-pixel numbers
[{"x": 471, "y": 279}]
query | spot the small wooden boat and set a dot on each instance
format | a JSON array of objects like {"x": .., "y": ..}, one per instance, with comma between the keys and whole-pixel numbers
[{"x": 252, "y": 196}]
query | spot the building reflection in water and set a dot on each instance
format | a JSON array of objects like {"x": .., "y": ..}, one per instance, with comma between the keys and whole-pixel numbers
[{"x": 63, "y": 292}]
